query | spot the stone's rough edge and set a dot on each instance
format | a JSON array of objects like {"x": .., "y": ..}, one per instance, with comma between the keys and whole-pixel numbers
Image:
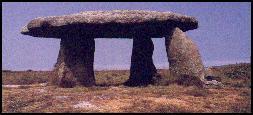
[
  {"x": 115, "y": 16},
  {"x": 24, "y": 30},
  {"x": 184, "y": 58}
]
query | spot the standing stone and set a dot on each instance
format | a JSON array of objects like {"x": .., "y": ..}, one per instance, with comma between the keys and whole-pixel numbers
[
  {"x": 183, "y": 56},
  {"x": 75, "y": 61},
  {"x": 142, "y": 68}
]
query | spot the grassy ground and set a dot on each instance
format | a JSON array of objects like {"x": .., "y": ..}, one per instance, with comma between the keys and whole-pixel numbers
[
  {"x": 25, "y": 77},
  {"x": 111, "y": 96}
]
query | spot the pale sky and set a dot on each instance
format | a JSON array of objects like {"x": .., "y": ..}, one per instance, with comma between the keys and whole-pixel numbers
[{"x": 223, "y": 36}]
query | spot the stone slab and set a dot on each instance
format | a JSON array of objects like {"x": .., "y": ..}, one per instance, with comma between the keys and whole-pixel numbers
[{"x": 109, "y": 24}]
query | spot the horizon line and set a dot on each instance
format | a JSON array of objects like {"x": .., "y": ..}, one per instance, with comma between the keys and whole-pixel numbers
[{"x": 158, "y": 66}]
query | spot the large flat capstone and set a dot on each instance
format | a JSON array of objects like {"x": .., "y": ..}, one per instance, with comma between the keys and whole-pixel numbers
[{"x": 109, "y": 24}]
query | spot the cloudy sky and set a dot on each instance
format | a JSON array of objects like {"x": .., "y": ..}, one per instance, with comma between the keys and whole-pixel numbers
[{"x": 223, "y": 36}]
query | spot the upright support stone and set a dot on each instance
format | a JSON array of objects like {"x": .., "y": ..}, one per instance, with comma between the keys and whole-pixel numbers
[
  {"x": 142, "y": 67},
  {"x": 183, "y": 56},
  {"x": 75, "y": 61}
]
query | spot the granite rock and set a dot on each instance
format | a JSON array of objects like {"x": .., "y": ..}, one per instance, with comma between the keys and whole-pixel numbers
[
  {"x": 108, "y": 24},
  {"x": 183, "y": 55}
]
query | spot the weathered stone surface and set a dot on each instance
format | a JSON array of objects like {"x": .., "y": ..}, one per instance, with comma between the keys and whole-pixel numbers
[
  {"x": 183, "y": 55},
  {"x": 142, "y": 68},
  {"x": 75, "y": 62},
  {"x": 187, "y": 80},
  {"x": 108, "y": 24}
]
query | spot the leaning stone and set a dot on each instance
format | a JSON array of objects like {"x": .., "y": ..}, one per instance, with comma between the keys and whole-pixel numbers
[
  {"x": 183, "y": 55},
  {"x": 109, "y": 24}
]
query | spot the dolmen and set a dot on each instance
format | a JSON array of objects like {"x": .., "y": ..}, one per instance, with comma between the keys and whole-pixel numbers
[{"x": 77, "y": 33}]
